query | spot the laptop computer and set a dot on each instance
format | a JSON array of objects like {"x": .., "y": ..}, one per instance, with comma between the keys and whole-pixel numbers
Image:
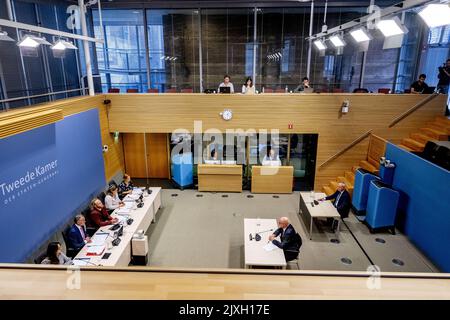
[
  {"x": 225, "y": 90},
  {"x": 429, "y": 90}
]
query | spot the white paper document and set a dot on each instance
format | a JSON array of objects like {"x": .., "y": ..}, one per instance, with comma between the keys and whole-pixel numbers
[
  {"x": 99, "y": 239},
  {"x": 81, "y": 262},
  {"x": 95, "y": 249},
  {"x": 270, "y": 247},
  {"x": 123, "y": 210}
]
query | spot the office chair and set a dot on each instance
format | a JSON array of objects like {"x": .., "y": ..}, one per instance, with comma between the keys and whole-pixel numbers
[
  {"x": 112, "y": 183},
  {"x": 299, "y": 242},
  {"x": 152, "y": 90},
  {"x": 40, "y": 258},
  {"x": 360, "y": 90},
  {"x": 132, "y": 90},
  {"x": 384, "y": 90},
  {"x": 113, "y": 90},
  {"x": 337, "y": 90},
  {"x": 70, "y": 252},
  {"x": 268, "y": 90},
  {"x": 90, "y": 226},
  {"x": 171, "y": 90},
  {"x": 187, "y": 90},
  {"x": 280, "y": 90},
  {"x": 102, "y": 197}
]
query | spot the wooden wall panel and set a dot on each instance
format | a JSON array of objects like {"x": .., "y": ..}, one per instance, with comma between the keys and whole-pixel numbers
[
  {"x": 157, "y": 155},
  {"x": 113, "y": 159},
  {"x": 308, "y": 113},
  {"x": 134, "y": 154}
]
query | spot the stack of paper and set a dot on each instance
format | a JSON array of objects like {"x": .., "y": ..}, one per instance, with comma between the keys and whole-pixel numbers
[
  {"x": 95, "y": 250},
  {"x": 99, "y": 239},
  {"x": 137, "y": 191},
  {"x": 270, "y": 247},
  {"x": 81, "y": 262},
  {"x": 123, "y": 210}
]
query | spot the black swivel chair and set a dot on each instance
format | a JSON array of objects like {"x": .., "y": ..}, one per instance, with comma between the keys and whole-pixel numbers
[
  {"x": 102, "y": 197},
  {"x": 40, "y": 258},
  {"x": 443, "y": 157},
  {"x": 360, "y": 90},
  {"x": 112, "y": 183},
  {"x": 90, "y": 226},
  {"x": 299, "y": 242},
  {"x": 70, "y": 252}
]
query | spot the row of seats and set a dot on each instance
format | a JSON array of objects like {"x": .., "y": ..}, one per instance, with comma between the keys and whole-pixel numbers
[
  {"x": 266, "y": 90},
  {"x": 90, "y": 229},
  {"x": 172, "y": 90}
]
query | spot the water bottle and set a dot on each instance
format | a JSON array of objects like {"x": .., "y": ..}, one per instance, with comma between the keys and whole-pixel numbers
[
  {"x": 312, "y": 195},
  {"x": 262, "y": 89},
  {"x": 286, "y": 90}
]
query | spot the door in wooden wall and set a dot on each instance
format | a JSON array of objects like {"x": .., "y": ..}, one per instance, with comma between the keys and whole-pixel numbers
[
  {"x": 134, "y": 154},
  {"x": 157, "y": 155}
]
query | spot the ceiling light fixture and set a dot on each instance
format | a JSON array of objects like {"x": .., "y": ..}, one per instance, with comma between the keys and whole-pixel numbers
[
  {"x": 4, "y": 36},
  {"x": 360, "y": 35},
  {"x": 63, "y": 45},
  {"x": 320, "y": 44},
  {"x": 436, "y": 15},
  {"x": 337, "y": 41},
  {"x": 391, "y": 27}
]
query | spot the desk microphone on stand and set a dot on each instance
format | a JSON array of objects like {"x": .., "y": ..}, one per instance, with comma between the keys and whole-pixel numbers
[{"x": 257, "y": 236}]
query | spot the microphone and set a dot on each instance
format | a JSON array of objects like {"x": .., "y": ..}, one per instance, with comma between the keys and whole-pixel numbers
[{"x": 257, "y": 234}]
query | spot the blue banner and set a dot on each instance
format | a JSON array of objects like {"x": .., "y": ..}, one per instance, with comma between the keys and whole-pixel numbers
[{"x": 46, "y": 174}]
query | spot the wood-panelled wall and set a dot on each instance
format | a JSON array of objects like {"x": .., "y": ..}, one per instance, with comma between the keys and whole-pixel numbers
[
  {"x": 113, "y": 159},
  {"x": 308, "y": 113}
]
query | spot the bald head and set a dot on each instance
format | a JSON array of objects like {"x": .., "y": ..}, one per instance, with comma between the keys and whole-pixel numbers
[
  {"x": 283, "y": 222},
  {"x": 341, "y": 186}
]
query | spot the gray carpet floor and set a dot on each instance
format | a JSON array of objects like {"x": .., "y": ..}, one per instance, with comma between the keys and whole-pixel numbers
[{"x": 205, "y": 230}]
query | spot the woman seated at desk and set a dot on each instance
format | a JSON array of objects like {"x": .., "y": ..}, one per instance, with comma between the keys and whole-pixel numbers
[
  {"x": 271, "y": 159},
  {"x": 248, "y": 87},
  {"x": 55, "y": 255}
]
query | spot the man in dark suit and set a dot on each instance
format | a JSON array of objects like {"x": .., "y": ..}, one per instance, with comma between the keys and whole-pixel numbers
[
  {"x": 341, "y": 201},
  {"x": 290, "y": 240},
  {"x": 77, "y": 235}
]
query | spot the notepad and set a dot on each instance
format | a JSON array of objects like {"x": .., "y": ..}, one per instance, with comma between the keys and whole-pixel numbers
[
  {"x": 123, "y": 210},
  {"x": 81, "y": 262},
  {"x": 99, "y": 239},
  {"x": 269, "y": 247},
  {"x": 95, "y": 250}
]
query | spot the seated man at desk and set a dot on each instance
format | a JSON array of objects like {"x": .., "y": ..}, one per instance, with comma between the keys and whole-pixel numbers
[
  {"x": 420, "y": 85},
  {"x": 341, "y": 202},
  {"x": 290, "y": 239},
  {"x": 226, "y": 84},
  {"x": 77, "y": 235},
  {"x": 99, "y": 216},
  {"x": 271, "y": 159},
  {"x": 304, "y": 86},
  {"x": 214, "y": 158}
]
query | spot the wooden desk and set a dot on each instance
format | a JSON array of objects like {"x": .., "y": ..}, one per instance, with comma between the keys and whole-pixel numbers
[
  {"x": 255, "y": 255},
  {"x": 219, "y": 177},
  {"x": 121, "y": 254},
  {"x": 324, "y": 209},
  {"x": 272, "y": 179}
]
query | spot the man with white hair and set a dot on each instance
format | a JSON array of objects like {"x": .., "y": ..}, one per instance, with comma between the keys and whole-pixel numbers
[
  {"x": 290, "y": 240},
  {"x": 341, "y": 200}
]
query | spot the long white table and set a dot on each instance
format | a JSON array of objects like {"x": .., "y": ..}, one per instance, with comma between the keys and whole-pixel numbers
[
  {"x": 121, "y": 254},
  {"x": 324, "y": 209},
  {"x": 255, "y": 254}
]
